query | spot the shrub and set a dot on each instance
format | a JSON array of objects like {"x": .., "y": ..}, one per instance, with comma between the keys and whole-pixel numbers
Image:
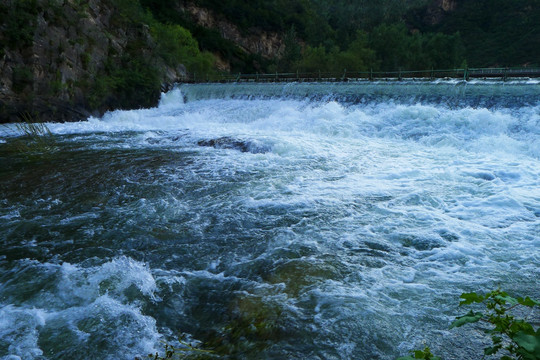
[
  {"x": 22, "y": 77},
  {"x": 134, "y": 82},
  {"x": 20, "y": 23},
  {"x": 513, "y": 336}
]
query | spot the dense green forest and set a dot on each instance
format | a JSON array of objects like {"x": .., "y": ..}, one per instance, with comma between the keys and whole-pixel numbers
[
  {"x": 379, "y": 35},
  {"x": 493, "y": 32}
]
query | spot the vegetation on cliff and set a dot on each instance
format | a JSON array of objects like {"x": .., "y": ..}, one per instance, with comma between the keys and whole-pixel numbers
[
  {"x": 412, "y": 34},
  {"x": 493, "y": 32},
  {"x": 67, "y": 59},
  {"x": 320, "y": 35}
]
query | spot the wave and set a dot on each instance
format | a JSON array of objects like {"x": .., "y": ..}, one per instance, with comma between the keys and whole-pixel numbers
[
  {"x": 259, "y": 125},
  {"x": 451, "y": 93}
]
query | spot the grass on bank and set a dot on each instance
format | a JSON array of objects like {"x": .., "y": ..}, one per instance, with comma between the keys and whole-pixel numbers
[{"x": 32, "y": 137}]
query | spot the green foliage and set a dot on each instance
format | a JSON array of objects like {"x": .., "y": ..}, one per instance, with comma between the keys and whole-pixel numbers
[
  {"x": 346, "y": 16},
  {"x": 292, "y": 52},
  {"x": 53, "y": 13},
  {"x": 177, "y": 46},
  {"x": 174, "y": 43},
  {"x": 509, "y": 333},
  {"x": 421, "y": 354},
  {"x": 133, "y": 79},
  {"x": 390, "y": 44},
  {"x": 133, "y": 82},
  {"x": 397, "y": 49},
  {"x": 494, "y": 32},
  {"x": 270, "y": 15},
  {"x": 314, "y": 59},
  {"x": 330, "y": 32},
  {"x": 22, "y": 78},
  {"x": 516, "y": 338},
  {"x": 33, "y": 137},
  {"x": 387, "y": 47},
  {"x": 20, "y": 22},
  {"x": 85, "y": 60},
  {"x": 209, "y": 41},
  {"x": 358, "y": 57},
  {"x": 470, "y": 317}
]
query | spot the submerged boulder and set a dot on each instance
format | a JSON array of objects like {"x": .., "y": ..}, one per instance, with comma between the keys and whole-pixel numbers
[{"x": 226, "y": 142}]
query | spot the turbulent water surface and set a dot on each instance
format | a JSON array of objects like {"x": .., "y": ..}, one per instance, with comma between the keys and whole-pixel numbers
[{"x": 299, "y": 221}]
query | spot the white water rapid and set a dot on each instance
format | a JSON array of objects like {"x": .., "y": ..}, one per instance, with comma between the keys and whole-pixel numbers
[{"x": 296, "y": 221}]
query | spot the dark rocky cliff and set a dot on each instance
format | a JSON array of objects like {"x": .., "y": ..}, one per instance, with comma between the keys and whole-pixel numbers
[
  {"x": 62, "y": 60},
  {"x": 268, "y": 44}
]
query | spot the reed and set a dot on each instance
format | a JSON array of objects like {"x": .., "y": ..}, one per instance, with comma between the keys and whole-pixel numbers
[{"x": 32, "y": 137}]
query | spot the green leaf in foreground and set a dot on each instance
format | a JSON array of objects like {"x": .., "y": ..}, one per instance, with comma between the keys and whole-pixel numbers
[
  {"x": 421, "y": 354},
  {"x": 516, "y": 337},
  {"x": 529, "y": 344},
  {"x": 469, "y": 298},
  {"x": 528, "y": 302},
  {"x": 470, "y": 317},
  {"x": 507, "y": 299}
]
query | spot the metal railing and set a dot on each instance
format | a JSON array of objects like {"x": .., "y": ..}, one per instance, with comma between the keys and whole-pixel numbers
[{"x": 345, "y": 75}]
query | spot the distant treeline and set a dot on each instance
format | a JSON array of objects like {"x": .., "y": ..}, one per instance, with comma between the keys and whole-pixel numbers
[{"x": 366, "y": 34}]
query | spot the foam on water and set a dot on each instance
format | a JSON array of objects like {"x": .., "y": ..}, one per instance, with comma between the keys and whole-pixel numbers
[
  {"x": 356, "y": 221},
  {"x": 171, "y": 98},
  {"x": 77, "y": 312},
  {"x": 474, "y": 129}
]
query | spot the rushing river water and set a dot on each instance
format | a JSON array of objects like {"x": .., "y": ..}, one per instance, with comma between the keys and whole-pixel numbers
[{"x": 297, "y": 221}]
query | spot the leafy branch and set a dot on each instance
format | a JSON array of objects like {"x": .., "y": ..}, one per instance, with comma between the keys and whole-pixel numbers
[
  {"x": 515, "y": 335},
  {"x": 421, "y": 354}
]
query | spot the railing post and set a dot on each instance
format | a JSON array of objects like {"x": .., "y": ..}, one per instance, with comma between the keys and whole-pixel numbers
[
  {"x": 466, "y": 74},
  {"x": 371, "y": 74},
  {"x": 344, "y": 74}
]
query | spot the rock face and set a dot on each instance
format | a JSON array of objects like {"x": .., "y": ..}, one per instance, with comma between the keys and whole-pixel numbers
[
  {"x": 438, "y": 10},
  {"x": 63, "y": 60},
  {"x": 267, "y": 44},
  {"x": 52, "y": 74}
]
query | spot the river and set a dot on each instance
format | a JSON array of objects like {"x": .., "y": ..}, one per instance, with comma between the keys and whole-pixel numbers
[{"x": 272, "y": 221}]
